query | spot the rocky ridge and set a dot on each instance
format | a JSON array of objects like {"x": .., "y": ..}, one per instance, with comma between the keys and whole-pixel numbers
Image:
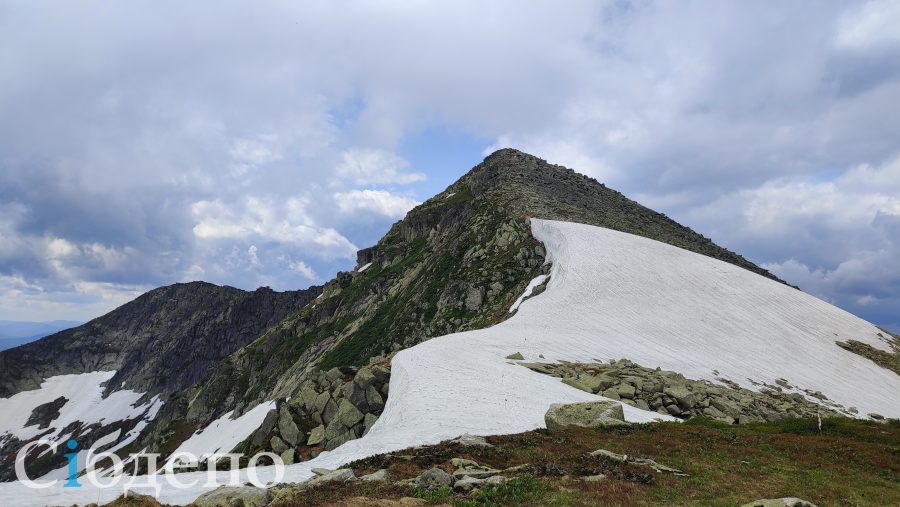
[
  {"x": 456, "y": 262},
  {"x": 670, "y": 393}
]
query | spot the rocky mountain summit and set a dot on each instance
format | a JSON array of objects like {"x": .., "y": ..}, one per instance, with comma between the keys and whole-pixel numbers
[{"x": 456, "y": 262}]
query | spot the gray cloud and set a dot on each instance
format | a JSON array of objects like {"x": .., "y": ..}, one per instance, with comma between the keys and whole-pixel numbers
[{"x": 151, "y": 142}]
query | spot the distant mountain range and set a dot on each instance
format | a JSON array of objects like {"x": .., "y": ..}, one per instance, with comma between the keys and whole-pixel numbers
[{"x": 14, "y": 333}]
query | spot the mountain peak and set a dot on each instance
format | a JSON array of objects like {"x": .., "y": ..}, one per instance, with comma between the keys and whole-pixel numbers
[{"x": 526, "y": 186}]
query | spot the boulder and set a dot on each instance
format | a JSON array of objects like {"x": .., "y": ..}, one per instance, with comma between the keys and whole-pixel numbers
[
  {"x": 333, "y": 443},
  {"x": 468, "y": 440},
  {"x": 288, "y": 429},
  {"x": 469, "y": 468},
  {"x": 339, "y": 475},
  {"x": 347, "y": 414},
  {"x": 306, "y": 398},
  {"x": 582, "y": 382},
  {"x": 330, "y": 409},
  {"x": 278, "y": 444},
  {"x": 681, "y": 394},
  {"x": 230, "y": 496},
  {"x": 368, "y": 422},
  {"x": 333, "y": 375},
  {"x": 592, "y": 414},
  {"x": 474, "y": 298},
  {"x": 467, "y": 484},
  {"x": 381, "y": 374},
  {"x": 374, "y": 399},
  {"x": 433, "y": 478},
  {"x": 626, "y": 391},
  {"x": 259, "y": 437},
  {"x": 379, "y": 476},
  {"x": 364, "y": 378},
  {"x": 516, "y": 356},
  {"x": 316, "y": 436},
  {"x": 288, "y": 457}
]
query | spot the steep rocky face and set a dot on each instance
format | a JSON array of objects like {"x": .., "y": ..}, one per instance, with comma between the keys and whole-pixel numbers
[
  {"x": 162, "y": 342},
  {"x": 456, "y": 262}
]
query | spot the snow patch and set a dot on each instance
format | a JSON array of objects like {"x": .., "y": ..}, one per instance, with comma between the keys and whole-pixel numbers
[
  {"x": 84, "y": 392},
  {"x": 225, "y": 433},
  {"x": 533, "y": 284},
  {"x": 363, "y": 268}
]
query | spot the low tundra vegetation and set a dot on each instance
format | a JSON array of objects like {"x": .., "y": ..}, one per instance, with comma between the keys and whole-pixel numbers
[{"x": 703, "y": 462}]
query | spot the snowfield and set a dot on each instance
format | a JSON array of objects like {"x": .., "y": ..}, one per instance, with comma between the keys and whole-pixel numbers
[
  {"x": 84, "y": 393},
  {"x": 610, "y": 295}
]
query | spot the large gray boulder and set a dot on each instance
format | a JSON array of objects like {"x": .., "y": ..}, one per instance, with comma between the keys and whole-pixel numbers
[
  {"x": 229, "y": 496},
  {"x": 434, "y": 478},
  {"x": 316, "y": 436},
  {"x": 259, "y": 437},
  {"x": 288, "y": 429},
  {"x": 592, "y": 414},
  {"x": 347, "y": 414}
]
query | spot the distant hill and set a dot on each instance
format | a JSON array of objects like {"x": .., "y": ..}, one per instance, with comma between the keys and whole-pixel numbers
[{"x": 14, "y": 333}]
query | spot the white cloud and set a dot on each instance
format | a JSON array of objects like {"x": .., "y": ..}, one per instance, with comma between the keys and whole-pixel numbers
[
  {"x": 872, "y": 25},
  {"x": 704, "y": 110},
  {"x": 365, "y": 166},
  {"x": 254, "y": 259},
  {"x": 375, "y": 201},
  {"x": 23, "y": 300},
  {"x": 257, "y": 219},
  {"x": 302, "y": 268},
  {"x": 257, "y": 151}
]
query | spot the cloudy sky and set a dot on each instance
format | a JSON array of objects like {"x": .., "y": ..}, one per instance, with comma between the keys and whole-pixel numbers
[{"x": 263, "y": 143}]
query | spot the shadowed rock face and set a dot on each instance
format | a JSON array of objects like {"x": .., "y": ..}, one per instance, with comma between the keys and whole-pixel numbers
[{"x": 162, "y": 342}]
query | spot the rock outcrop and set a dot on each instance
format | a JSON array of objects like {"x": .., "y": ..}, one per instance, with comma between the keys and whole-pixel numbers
[{"x": 671, "y": 393}]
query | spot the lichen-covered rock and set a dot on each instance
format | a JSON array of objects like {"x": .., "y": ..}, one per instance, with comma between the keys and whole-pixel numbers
[
  {"x": 259, "y": 437},
  {"x": 368, "y": 422},
  {"x": 433, "y": 478},
  {"x": 278, "y": 444},
  {"x": 316, "y": 436},
  {"x": 471, "y": 440},
  {"x": 670, "y": 393},
  {"x": 347, "y": 414},
  {"x": 231, "y": 496},
  {"x": 592, "y": 414},
  {"x": 339, "y": 475},
  {"x": 469, "y": 468},
  {"x": 287, "y": 428},
  {"x": 378, "y": 476}
]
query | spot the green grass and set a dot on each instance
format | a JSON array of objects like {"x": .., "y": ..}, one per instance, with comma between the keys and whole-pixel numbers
[{"x": 524, "y": 490}]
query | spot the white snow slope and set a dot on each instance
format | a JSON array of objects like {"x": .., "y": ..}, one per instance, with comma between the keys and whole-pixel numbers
[
  {"x": 86, "y": 404},
  {"x": 611, "y": 295}
]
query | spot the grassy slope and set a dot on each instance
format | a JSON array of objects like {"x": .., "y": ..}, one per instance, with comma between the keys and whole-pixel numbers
[{"x": 850, "y": 462}]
